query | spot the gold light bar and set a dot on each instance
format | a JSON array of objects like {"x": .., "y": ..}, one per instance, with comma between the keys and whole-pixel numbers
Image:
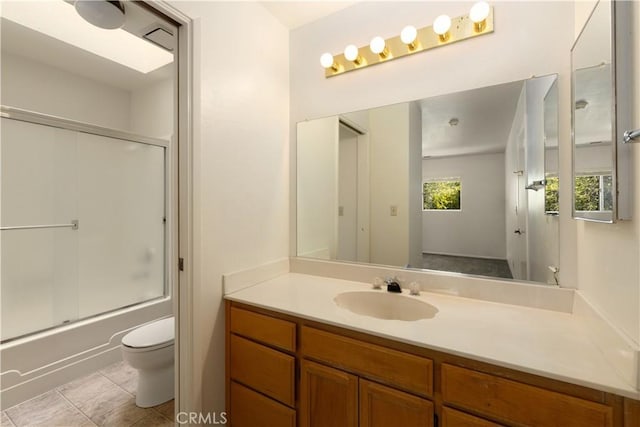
[{"x": 462, "y": 28}]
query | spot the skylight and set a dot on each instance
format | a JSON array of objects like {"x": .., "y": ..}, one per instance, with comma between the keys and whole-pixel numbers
[{"x": 58, "y": 19}]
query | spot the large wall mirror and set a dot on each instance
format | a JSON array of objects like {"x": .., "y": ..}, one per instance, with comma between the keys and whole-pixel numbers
[
  {"x": 601, "y": 179},
  {"x": 465, "y": 182}
]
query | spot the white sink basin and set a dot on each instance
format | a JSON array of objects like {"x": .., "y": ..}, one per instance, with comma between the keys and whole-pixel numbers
[{"x": 385, "y": 305}]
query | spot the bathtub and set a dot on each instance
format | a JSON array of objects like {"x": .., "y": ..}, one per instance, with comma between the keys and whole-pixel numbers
[{"x": 38, "y": 363}]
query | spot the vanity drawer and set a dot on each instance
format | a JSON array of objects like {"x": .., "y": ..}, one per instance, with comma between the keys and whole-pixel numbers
[
  {"x": 276, "y": 332},
  {"x": 405, "y": 371},
  {"x": 251, "y": 409},
  {"x": 518, "y": 403},
  {"x": 263, "y": 369},
  {"x": 453, "y": 418}
]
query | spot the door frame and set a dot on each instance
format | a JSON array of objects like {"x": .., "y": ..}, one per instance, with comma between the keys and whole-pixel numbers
[{"x": 182, "y": 283}]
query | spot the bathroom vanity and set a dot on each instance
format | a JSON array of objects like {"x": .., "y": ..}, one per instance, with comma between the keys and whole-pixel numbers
[{"x": 296, "y": 359}]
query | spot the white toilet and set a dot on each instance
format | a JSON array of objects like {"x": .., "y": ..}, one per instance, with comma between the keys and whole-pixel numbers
[{"x": 149, "y": 349}]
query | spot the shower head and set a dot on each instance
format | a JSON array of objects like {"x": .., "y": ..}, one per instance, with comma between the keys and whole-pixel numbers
[{"x": 105, "y": 14}]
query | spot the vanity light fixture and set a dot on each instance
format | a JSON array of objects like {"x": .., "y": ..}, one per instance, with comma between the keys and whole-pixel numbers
[
  {"x": 478, "y": 14},
  {"x": 441, "y": 27},
  {"x": 409, "y": 36},
  {"x": 379, "y": 47},
  {"x": 351, "y": 53},
  {"x": 444, "y": 31}
]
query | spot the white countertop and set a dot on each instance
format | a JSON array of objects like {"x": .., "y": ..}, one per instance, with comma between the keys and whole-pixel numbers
[{"x": 542, "y": 342}]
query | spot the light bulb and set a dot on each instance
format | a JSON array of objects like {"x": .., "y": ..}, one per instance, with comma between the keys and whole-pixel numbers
[
  {"x": 479, "y": 11},
  {"x": 478, "y": 14},
  {"x": 441, "y": 26},
  {"x": 409, "y": 35},
  {"x": 351, "y": 53},
  {"x": 378, "y": 46},
  {"x": 326, "y": 60}
]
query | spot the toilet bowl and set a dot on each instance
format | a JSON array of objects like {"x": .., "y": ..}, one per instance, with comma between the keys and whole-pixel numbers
[{"x": 149, "y": 349}]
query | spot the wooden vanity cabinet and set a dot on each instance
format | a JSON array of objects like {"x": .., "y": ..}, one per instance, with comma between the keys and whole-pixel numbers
[
  {"x": 260, "y": 370},
  {"x": 518, "y": 403},
  {"x": 453, "y": 418},
  {"x": 382, "y": 406},
  {"x": 328, "y": 396},
  {"x": 285, "y": 371}
]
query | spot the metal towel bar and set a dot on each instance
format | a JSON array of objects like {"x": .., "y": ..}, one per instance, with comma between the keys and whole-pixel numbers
[
  {"x": 74, "y": 226},
  {"x": 630, "y": 135}
]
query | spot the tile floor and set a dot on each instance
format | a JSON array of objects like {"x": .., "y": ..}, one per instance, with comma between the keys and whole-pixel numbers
[{"x": 104, "y": 398}]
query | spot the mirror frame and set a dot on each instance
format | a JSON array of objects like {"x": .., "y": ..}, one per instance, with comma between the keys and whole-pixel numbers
[{"x": 619, "y": 23}]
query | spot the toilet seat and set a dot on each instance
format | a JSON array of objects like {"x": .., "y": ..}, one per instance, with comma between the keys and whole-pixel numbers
[{"x": 152, "y": 336}]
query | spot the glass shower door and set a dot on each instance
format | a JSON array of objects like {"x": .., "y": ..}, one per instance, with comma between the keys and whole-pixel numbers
[
  {"x": 83, "y": 219},
  {"x": 39, "y": 266}
]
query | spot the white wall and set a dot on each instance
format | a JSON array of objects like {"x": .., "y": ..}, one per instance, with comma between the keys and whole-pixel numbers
[
  {"x": 542, "y": 245},
  {"x": 41, "y": 88},
  {"x": 318, "y": 189},
  {"x": 608, "y": 270},
  {"x": 515, "y": 205},
  {"x": 509, "y": 54},
  {"x": 389, "y": 145},
  {"x": 347, "y": 245},
  {"x": 593, "y": 158},
  {"x": 415, "y": 185},
  {"x": 478, "y": 229},
  {"x": 241, "y": 175},
  {"x": 152, "y": 111}
]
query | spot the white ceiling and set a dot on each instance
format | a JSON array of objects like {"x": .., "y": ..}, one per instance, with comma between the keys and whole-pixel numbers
[
  {"x": 294, "y": 14},
  {"x": 484, "y": 118}
]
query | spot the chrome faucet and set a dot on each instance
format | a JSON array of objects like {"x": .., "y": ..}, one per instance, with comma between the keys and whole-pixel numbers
[{"x": 393, "y": 285}]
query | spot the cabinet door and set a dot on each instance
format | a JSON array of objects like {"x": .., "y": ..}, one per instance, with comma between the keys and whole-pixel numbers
[
  {"x": 251, "y": 409},
  {"x": 328, "y": 397},
  {"x": 263, "y": 369},
  {"x": 453, "y": 418},
  {"x": 382, "y": 406},
  {"x": 515, "y": 403}
]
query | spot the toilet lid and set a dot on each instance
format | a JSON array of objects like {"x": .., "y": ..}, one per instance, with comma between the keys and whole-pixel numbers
[{"x": 151, "y": 334}]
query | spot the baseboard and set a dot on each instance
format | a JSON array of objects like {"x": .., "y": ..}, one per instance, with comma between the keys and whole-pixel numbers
[
  {"x": 233, "y": 282},
  {"x": 317, "y": 253},
  {"x": 465, "y": 255}
]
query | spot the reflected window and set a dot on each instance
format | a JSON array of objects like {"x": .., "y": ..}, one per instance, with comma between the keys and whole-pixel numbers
[
  {"x": 551, "y": 205},
  {"x": 594, "y": 192},
  {"x": 443, "y": 194}
]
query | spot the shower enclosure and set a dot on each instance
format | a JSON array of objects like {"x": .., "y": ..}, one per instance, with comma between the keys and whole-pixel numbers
[{"x": 83, "y": 221}]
